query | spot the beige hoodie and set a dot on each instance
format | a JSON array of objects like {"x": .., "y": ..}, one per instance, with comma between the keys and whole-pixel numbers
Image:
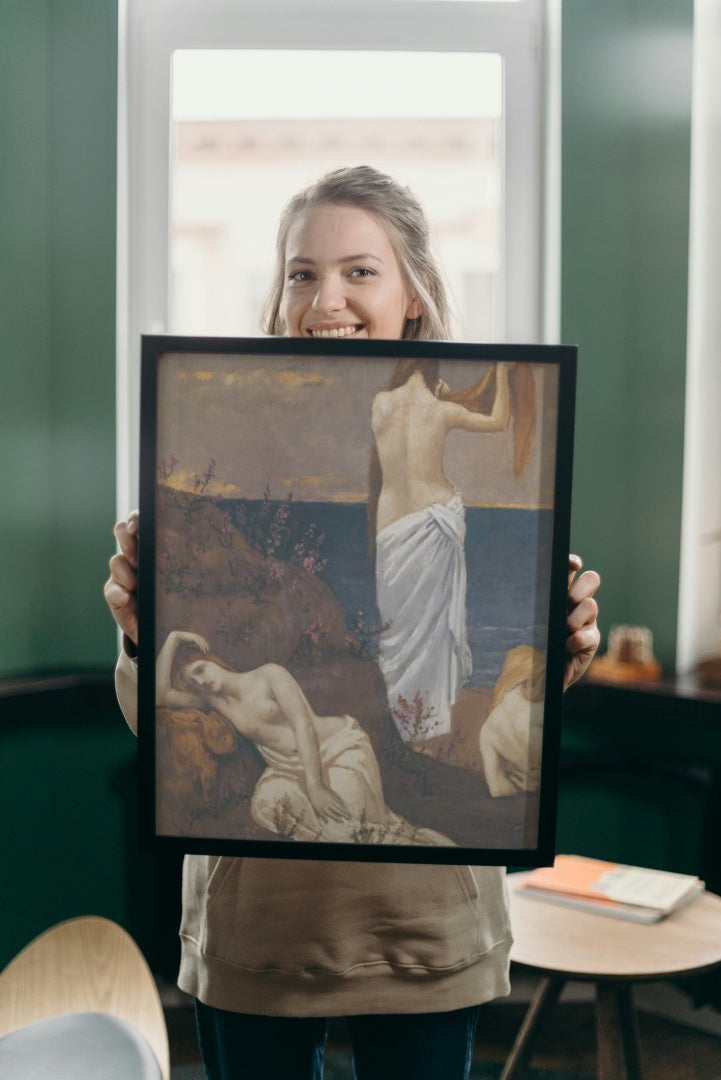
[{"x": 287, "y": 937}]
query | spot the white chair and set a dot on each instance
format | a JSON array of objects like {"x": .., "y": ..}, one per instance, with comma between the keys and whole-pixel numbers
[{"x": 80, "y": 1002}]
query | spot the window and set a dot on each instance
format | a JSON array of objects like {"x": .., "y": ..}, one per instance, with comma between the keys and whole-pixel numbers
[
  {"x": 236, "y": 160},
  {"x": 227, "y": 107}
]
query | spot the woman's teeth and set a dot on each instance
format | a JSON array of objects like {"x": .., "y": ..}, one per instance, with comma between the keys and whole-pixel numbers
[{"x": 336, "y": 332}]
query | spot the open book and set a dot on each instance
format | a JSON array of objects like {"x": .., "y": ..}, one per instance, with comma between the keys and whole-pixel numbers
[{"x": 608, "y": 888}]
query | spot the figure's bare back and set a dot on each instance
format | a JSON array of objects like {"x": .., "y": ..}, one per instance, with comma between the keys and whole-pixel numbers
[{"x": 410, "y": 425}]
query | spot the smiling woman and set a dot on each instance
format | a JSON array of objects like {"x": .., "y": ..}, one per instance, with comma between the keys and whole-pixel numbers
[{"x": 353, "y": 259}]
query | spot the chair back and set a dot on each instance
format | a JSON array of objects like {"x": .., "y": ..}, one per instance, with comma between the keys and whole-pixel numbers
[{"x": 86, "y": 964}]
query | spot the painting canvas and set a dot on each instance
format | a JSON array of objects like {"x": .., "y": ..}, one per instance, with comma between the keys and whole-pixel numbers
[{"x": 352, "y": 597}]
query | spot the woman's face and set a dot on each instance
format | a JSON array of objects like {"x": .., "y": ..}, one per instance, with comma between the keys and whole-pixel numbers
[
  {"x": 342, "y": 277},
  {"x": 204, "y": 675}
]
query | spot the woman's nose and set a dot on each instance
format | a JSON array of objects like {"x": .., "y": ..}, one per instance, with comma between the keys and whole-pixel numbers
[{"x": 329, "y": 296}]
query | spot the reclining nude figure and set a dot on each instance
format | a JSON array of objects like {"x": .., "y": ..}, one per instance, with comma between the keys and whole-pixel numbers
[
  {"x": 321, "y": 780},
  {"x": 419, "y": 523}
]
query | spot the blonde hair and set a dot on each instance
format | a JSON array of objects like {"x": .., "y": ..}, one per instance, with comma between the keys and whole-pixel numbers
[
  {"x": 522, "y": 664},
  {"x": 402, "y": 216}
]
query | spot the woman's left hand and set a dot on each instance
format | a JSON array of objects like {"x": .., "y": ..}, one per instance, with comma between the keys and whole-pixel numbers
[{"x": 582, "y": 633}]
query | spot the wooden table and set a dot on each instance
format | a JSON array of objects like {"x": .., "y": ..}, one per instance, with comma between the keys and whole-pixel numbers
[{"x": 563, "y": 944}]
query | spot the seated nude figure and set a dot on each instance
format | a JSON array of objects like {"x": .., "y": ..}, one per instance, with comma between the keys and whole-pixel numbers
[
  {"x": 512, "y": 735},
  {"x": 321, "y": 781},
  {"x": 419, "y": 520}
]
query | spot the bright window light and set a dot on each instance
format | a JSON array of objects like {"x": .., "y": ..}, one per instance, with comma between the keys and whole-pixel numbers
[
  {"x": 219, "y": 84},
  {"x": 434, "y": 121}
]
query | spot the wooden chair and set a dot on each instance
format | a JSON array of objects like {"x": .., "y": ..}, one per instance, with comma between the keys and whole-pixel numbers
[{"x": 80, "y": 975}]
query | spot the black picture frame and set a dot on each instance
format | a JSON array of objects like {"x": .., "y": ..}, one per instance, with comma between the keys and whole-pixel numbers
[{"x": 256, "y": 474}]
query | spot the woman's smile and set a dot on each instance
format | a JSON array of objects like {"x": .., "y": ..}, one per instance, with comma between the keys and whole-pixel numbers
[{"x": 335, "y": 331}]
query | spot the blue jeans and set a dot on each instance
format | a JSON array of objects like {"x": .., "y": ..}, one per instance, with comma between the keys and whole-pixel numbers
[{"x": 415, "y": 1046}]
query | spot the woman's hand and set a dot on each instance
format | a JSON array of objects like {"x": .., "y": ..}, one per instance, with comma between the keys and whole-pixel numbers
[
  {"x": 121, "y": 587},
  {"x": 327, "y": 804},
  {"x": 582, "y": 633}
]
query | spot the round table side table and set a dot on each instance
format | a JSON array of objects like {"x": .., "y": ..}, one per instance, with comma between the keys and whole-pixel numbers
[{"x": 564, "y": 944}]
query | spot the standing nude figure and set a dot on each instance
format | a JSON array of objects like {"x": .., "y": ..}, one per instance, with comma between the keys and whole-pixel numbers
[{"x": 420, "y": 535}]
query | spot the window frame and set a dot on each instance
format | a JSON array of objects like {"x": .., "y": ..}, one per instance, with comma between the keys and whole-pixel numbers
[
  {"x": 526, "y": 34},
  {"x": 698, "y": 632}
]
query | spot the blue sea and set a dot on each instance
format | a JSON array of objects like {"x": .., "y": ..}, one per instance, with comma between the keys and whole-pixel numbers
[{"x": 508, "y": 554}]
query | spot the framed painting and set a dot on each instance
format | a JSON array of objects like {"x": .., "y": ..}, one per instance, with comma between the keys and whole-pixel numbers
[{"x": 352, "y": 597}]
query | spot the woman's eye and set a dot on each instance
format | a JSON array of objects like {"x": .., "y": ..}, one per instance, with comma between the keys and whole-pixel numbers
[
  {"x": 362, "y": 272},
  {"x": 300, "y": 276}
]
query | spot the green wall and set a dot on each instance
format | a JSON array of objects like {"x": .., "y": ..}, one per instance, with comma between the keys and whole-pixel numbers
[
  {"x": 68, "y": 804},
  {"x": 626, "y": 136},
  {"x": 66, "y": 760},
  {"x": 625, "y": 200},
  {"x": 58, "y": 73}
]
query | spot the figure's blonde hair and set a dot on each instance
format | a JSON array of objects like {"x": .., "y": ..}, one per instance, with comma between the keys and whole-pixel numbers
[
  {"x": 401, "y": 214},
  {"x": 522, "y": 664}
]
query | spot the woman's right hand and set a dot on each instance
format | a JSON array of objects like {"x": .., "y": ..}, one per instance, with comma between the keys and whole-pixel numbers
[{"x": 121, "y": 587}]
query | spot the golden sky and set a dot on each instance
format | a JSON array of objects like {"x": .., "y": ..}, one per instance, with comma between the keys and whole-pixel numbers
[{"x": 302, "y": 424}]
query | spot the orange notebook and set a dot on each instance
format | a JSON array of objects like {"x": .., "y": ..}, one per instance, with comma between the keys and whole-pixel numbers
[{"x": 632, "y": 892}]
